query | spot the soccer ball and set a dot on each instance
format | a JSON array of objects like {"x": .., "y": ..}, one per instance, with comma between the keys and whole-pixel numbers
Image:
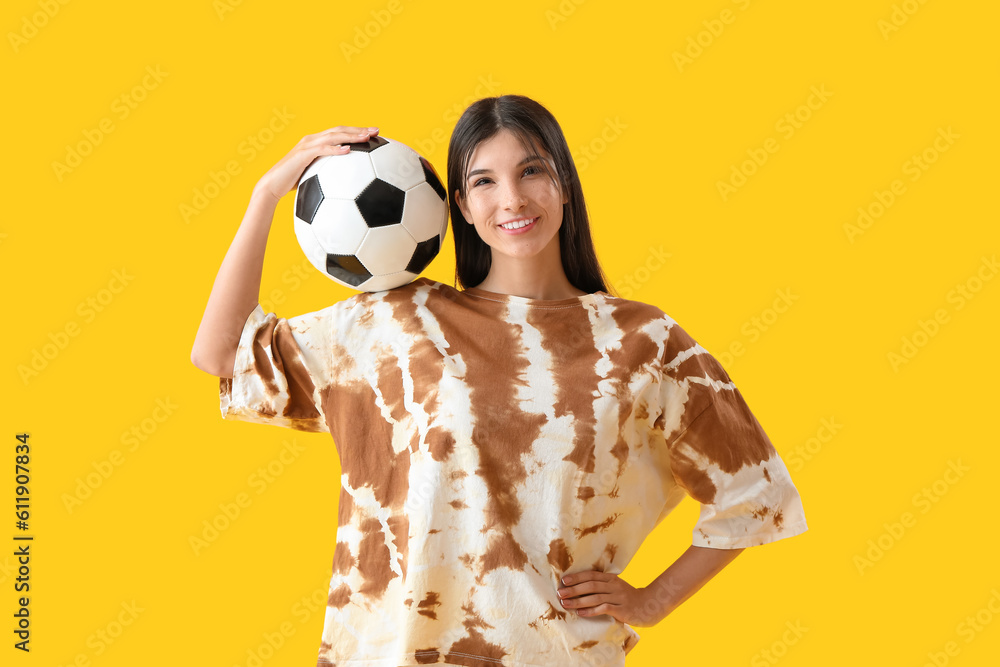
[{"x": 371, "y": 219}]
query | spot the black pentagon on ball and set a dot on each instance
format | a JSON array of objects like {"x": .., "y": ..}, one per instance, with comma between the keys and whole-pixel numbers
[
  {"x": 433, "y": 180},
  {"x": 422, "y": 256},
  {"x": 381, "y": 204},
  {"x": 347, "y": 268},
  {"x": 368, "y": 146},
  {"x": 308, "y": 199}
]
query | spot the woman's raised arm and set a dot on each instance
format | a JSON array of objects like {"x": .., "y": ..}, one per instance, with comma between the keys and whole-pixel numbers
[{"x": 236, "y": 291}]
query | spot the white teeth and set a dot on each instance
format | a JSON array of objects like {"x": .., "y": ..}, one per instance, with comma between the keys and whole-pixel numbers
[{"x": 518, "y": 225}]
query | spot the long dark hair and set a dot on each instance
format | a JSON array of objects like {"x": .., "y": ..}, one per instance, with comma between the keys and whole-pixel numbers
[{"x": 530, "y": 122}]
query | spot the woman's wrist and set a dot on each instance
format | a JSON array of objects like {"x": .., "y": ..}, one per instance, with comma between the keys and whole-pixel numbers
[
  {"x": 658, "y": 600},
  {"x": 261, "y": 195}
]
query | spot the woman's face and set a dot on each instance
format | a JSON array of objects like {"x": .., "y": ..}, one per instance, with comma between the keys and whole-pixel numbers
[{"x": 505, "y": 184}]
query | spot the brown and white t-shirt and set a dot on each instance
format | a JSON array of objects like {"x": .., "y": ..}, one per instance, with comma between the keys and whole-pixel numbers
[{"x": 490, "y": 444}]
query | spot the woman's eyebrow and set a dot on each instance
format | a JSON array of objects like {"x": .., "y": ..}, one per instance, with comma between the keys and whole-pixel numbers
[{"x": 530, "y": 158}]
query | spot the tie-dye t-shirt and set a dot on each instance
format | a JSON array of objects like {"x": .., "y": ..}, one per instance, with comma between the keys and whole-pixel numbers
[{"x": 490, "y": 444}]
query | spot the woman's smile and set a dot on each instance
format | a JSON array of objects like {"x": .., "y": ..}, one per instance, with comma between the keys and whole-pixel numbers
[{"x": 519, "y": 226}]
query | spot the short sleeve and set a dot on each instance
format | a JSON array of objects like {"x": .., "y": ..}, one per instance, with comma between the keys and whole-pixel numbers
[
  {"x": 720, "y": 455},
  {"x": 282, "y": 368}
]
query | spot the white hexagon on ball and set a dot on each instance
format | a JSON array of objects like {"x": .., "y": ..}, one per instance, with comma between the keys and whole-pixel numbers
[
  {"x": 313, "y": 168},
  {"x": 388, "y": 281},
  {"x": 386, "y": 249},
  {"x": 397, "y": 164},
  {"x": 338, "y": 227},
  {"x": 307, "y": 241},
  {"x": 424, "y": 213},
  {"x": 344, "y": 176}
]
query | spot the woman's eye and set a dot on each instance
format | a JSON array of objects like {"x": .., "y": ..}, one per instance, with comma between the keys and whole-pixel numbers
[{"x": 533, "y": 169}]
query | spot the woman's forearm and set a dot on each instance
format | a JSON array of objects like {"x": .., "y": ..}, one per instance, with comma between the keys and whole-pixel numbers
[
  {"x": 236, "y": 290},
  {"x": 682, "y": 579}
]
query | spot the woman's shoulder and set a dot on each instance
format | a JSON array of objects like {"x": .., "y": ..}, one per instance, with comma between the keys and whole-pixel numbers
[{"x": 648, "y": 309}]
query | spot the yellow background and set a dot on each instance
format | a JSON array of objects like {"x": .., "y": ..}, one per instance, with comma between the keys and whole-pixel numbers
[{"x": 651, "y": 186}]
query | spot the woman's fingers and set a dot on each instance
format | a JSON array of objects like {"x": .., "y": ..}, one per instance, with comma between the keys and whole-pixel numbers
[
  {"x": 284, "y": 176},
  {"x": 596, "y": 593},
  {"x": 347, "y": 134}
]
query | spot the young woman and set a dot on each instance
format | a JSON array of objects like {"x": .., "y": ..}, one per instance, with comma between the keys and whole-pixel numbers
[{"x": 505, "y": 448}]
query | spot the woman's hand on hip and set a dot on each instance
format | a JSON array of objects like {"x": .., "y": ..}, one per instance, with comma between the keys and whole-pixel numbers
[{"x": 593, "y": 593}]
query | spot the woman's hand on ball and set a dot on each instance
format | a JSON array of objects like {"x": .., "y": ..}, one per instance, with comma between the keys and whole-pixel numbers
[{"x": 284, "y": 176}]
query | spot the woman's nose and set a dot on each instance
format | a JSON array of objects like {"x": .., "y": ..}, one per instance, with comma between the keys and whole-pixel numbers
[{"x": 513, "y": 198}]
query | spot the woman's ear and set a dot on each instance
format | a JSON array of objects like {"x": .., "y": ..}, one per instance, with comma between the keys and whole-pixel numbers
[{"x": 461, "y": 207}]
